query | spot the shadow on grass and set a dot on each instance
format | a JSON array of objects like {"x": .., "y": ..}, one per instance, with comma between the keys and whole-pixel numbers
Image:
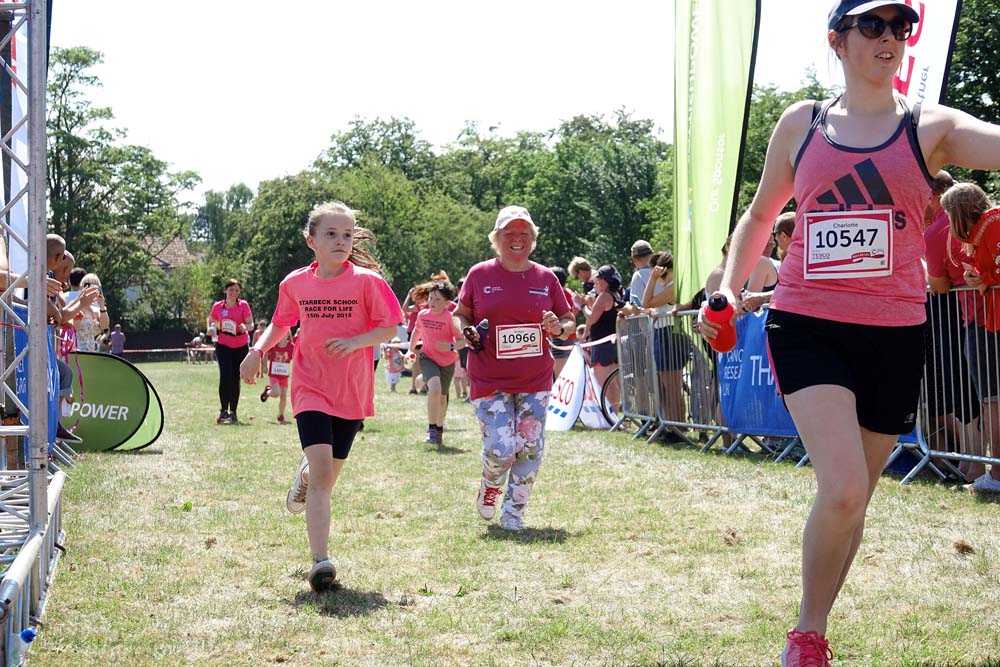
[
  {"x": 342, "y": 602},
  {"x": 529, "y": 534},
  {"x": 145, "y": 451},
  {"x": 988, "y": 499},
  {"x": 446, "y": 450}
]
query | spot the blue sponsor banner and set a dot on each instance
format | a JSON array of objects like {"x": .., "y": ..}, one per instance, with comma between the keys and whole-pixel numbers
[
  {"x": 747, "y": 389},
  {"x": 21, "y": 374}
]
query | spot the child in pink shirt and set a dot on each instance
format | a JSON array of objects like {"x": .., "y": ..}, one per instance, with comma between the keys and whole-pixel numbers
[
  {"x": 279, "y": 365},
  {"x": 344, "y": 307},
  {"x": 436, "y": 332},
  {"x": 393, "y": 362}
]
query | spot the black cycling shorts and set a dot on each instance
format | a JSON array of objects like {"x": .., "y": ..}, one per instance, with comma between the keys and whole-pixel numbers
[
  {"x": 882, "y": 366},
  {"x": 319, "y": 428}
]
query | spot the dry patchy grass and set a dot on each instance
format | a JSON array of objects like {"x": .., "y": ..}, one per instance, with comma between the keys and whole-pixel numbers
[{"x": 636, "y": 555}]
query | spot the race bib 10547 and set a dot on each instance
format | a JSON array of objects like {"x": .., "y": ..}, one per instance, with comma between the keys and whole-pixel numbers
[{"x": 848, "y": 244}]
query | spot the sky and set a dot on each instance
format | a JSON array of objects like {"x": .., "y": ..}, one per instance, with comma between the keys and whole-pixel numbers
[{"x": 242, "y": 91}]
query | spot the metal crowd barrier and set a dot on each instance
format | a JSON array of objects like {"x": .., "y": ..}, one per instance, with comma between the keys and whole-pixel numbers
[
  {"x": 28, "y": 556},
  {"x": 959, "y": 415},
  {"x": 668, "y": 376},
  {"x": 639, "y": 391}
]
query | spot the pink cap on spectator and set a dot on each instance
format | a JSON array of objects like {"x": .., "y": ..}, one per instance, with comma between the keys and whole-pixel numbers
[{"x": 511, "y": 213}]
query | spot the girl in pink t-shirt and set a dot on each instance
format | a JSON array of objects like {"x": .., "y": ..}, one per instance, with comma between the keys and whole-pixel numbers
[
  {"x": 278, "y": 362},
  {"x": 344, "y": 308},
  {"x": 436, "y": 332}
]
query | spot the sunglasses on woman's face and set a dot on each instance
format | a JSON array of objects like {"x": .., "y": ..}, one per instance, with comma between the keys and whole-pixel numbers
[{"x": 872, "y": 27}]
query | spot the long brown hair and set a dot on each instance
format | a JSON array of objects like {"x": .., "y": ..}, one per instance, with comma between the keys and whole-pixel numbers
[
  {"x": 964, "y": 203},
  {"x": 364, "y": 239}
]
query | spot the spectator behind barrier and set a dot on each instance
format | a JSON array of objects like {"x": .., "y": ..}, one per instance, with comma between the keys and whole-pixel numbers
[
  {"x": 671, "y": 349},
  {"x": 580, "y": 269},
  {"x": 91, "y": 321},
  {"x": 781, "y": 238},
  {"x": 976, "y": 222},
  {"x": 641, "y": 255},
  {"x": 953, "y": 401},
  {"x": 601, "y": 322}
]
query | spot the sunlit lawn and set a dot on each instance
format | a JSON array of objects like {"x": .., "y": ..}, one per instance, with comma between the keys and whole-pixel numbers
[{"x": 183, "y": 554}]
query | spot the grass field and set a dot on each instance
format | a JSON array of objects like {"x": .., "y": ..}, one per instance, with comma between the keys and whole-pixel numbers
[{"x": 636, "y": 554}]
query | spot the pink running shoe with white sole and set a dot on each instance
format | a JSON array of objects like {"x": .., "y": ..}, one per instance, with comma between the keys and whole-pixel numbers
[{"x": 806, "y": 649}]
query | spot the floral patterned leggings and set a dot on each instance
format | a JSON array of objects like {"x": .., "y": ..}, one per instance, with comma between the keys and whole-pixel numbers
[{"x": 513, "y": 427}]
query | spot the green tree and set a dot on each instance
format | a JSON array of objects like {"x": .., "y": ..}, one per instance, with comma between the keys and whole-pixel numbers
[
  {"x": 103, "y": 194},
  {"x": 766, "y": 105},
  {"x": 391, "y": 143},
  {"x": 585, "y": 192},
  {"x": 214, "y": 221},
  {"x": 973, "y": 85}
]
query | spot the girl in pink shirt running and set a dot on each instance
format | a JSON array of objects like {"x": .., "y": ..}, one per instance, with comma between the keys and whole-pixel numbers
[
  {"x": 437, "y": 331},
  {"x": 344, "y": 308}
]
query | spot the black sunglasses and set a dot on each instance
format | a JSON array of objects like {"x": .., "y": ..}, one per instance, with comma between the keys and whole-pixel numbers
[{"x": 872, "y": 27}]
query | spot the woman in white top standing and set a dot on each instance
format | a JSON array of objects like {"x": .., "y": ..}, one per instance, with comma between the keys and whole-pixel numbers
[{"x": 91, "y": 322}]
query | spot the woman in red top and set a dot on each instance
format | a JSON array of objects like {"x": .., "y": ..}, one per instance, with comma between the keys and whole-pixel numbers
[
  {"x": 233, "y": 321},
  {"x": 846, "y": 325},
  {"x": 510, "y": 370}
]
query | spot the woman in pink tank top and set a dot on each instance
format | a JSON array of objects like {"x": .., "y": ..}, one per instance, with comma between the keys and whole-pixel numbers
[{"x": 845, "y": 329}]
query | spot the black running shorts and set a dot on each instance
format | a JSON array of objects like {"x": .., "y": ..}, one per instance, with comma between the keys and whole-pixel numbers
[
  {"x": 882, "y": 366},
  {"x": 319, "y": 428}
]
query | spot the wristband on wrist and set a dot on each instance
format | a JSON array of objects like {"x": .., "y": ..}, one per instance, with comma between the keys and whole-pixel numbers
[{"x": 257, "y": 350}]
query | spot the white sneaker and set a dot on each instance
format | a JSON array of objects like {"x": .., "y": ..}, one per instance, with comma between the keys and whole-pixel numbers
[
  {"x": 295, "y": 501},
  {"x": 322, "y": 575},
  {"x": 984, "y": 484},
  {"x": 511, "y": 522},
  {"x": 486, "y": 501}
]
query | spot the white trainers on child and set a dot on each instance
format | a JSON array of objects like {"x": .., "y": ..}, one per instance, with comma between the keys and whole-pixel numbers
[
  {"x": 322, "y": 575},
  {"x": 295, "y": 501}
]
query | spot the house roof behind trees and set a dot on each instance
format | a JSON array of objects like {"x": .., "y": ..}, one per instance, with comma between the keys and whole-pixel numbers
[{"x": 169, "y": 255}]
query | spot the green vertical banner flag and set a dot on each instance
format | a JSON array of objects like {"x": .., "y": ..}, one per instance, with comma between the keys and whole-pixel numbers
[{"x": 716, "y": 45}]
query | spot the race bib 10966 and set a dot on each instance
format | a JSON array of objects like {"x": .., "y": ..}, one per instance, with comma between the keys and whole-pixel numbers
[
  {"x": 848, "y": 244},
  {"x": 518, "y": 340}
]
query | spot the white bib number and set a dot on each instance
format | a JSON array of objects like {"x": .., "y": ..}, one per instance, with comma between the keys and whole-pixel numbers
[
  {"x": 280, "y": 368},
  {"x": 848, "y": 244},
  {"x": 518, "y": 340},
  {"x": 229, "y": 327}
]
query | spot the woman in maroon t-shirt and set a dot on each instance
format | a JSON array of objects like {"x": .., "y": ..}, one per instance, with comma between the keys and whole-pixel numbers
[{"x": 510, "y": 368}]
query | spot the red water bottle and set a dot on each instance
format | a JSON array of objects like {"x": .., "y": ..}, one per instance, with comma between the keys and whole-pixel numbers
[{"x": 720, "y": 311}]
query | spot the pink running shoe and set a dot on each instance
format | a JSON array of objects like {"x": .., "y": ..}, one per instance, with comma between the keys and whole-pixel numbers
[{"x": 806, "y": 649}]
